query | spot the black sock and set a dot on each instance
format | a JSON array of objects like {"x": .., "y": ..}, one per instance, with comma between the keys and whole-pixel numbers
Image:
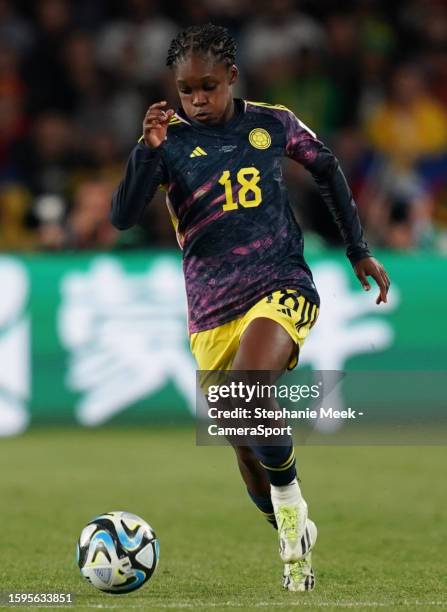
[
  {"x": 279, "y": 463},
  {"x": 264, "y": 504}
]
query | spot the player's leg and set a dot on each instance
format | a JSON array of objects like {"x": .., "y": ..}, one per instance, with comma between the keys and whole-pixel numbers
[
  {"x": 256, "y": 481},
  {"x": 215, "y": 349},
  {"x": 266, "y": 345}
]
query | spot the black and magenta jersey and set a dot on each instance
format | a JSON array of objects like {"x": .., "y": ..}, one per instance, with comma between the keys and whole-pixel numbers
[{"x": 229, "y": 205}]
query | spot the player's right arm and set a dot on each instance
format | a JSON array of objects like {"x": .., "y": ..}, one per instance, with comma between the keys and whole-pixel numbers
[{"x": 145, "y": 170}]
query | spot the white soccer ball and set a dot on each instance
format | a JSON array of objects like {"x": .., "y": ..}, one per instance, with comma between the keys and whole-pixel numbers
[{"x": 117, "y": 552}]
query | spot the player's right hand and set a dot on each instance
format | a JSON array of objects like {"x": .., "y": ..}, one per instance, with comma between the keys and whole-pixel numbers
[{"x": 155, "y": 124}]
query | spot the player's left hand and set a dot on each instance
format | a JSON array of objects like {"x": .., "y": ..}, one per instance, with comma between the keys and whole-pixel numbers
[{"x": 369, "y": 266}]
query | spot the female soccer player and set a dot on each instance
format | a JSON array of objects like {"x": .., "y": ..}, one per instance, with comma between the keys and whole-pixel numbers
[{"x": 251, "y": 297}]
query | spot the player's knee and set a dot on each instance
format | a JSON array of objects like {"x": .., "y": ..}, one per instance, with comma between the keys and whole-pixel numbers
[{"x": 245, "y": 455}]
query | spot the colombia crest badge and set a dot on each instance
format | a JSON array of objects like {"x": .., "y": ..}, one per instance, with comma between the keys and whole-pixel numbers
[{"x": 260, "y": 138}]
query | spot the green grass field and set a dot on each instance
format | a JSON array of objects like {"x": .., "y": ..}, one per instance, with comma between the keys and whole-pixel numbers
[{"x": 381, "y": 513}]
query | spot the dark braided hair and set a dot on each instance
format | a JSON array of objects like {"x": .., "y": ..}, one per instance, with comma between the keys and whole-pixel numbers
[{"x": 204, "y": 39}]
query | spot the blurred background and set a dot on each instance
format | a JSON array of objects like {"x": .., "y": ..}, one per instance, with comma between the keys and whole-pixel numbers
[
  {"x": 75, "y": 81},
  {"x": 76, "y": 78}
]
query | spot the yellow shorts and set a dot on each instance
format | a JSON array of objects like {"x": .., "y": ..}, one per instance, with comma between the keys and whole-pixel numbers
[{"x": 215, "y": 349}]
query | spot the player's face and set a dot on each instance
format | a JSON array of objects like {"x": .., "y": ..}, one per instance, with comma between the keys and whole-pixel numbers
[{"x": 205, "y": 88}]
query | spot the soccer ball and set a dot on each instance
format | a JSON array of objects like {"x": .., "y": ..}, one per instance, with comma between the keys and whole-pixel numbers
[{"x": 117, "y": 552}]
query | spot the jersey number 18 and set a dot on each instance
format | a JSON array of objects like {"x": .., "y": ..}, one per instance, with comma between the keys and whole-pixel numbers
[{"x": 248, "y": 179}]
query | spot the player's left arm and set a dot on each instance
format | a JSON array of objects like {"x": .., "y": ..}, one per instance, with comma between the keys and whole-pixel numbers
[{"x": 303, "y": 146}]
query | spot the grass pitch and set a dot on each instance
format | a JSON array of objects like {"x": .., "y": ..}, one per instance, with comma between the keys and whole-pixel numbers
[{"x": 381, "y": 514}]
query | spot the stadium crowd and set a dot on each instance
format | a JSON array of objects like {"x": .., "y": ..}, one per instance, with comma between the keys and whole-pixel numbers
[{"x": 369, "y": 76}]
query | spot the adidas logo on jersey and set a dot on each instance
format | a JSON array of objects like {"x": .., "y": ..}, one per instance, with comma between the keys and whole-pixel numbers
[
  {"x": 197, "y": 152},
  {"x": 285, "y": 311}
]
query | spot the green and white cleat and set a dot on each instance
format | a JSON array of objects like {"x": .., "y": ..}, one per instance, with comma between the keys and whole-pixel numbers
[
  {"x": 299, "y": 576},
  {"x": 294, "y": 543}
]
